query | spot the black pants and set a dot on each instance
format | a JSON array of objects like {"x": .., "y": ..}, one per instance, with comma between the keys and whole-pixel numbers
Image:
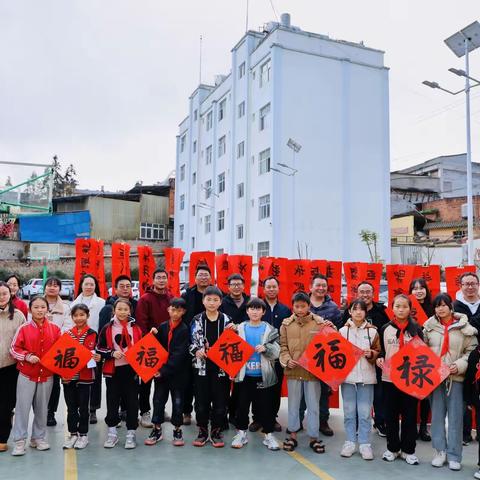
[
  {"x": 161, "y": 391},
  {"x": 8, "y": 395},
  {"x": 233, "y": 403},
  {"x": 467, "y": 418},
  {"x": 400, "y": 405},
  {"x": 276, "y": 393},
  {"x": 189, "y": 390},
  {"x": 211, "y": 397},
  {"x": 77, "y": 398},
  {"x": 96, "y": 390},
  {"x": 54, "y": 396},
  {"x": 378, "y": 400},
  {"x": 122, "y": 385},
  {"x": 260, "y": 398},
  {"x": 424, "y": 411},
  {"x": 144, "y": 396}
]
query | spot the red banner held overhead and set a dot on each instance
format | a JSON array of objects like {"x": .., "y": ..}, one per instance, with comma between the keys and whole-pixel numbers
[
  {"x": 279, "y": 270},
  {"x": 431, "y": 275},
  {"x": 264, "y": 271},
  {"x": 100, "y": 266},
  {"x": 334, "y": 274},
  {"x": 358, "y": 272},
  {"x": 89, "y": 259},
  {"x": 417, "y": 312},
  {"x": 242, "y": 264},
  {"x": 120, "y": 262},
  {"x": 452, "y": 277},
  {"x": 201, "y": 258},
  {"x": 146, "y": 267},
  {"x": 299, "y": 275},
  {"x": 399, "y": 278},
  {"x": 173, "y": 263},
  {"x": 222, "y": 268}
]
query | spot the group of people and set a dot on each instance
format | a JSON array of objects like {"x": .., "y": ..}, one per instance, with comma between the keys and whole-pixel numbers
[{"x": 188, "y": 326}]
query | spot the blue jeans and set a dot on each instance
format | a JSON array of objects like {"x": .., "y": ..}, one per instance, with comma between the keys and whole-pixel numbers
[
  {"x": 311, "y": 390},
  {"x": 450, "y": 406},
  {"x": 357, "y": 401},
  {"x": 324, "y": 404}
]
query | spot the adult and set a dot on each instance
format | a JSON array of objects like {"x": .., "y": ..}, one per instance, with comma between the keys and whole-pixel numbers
[
  {"x": 377, "y": 316},
  {"x": 152, "y": 310},
  {"x": 13, "y": 282},
  {"x": 234, "y": 303},
  {"x": 10, "y": 320},
  {"x": 468, "y": 303},
  {"x": 194, "y": 298},
  {"x": 88, "y": 293},
  {"x": 59, "y": 314}
]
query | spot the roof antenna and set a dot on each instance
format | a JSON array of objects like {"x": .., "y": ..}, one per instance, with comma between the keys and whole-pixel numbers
[
  {"x": 246, "y": 18},
  {"x": 200, "y": 63}
]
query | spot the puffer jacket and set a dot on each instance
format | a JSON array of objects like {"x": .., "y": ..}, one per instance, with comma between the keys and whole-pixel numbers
[
  {"x": 461, "y": 341},
  {"x": 267, "y": 358},
  {"x": 296, "y": 333},
  {"x": 365, "y": 336}
]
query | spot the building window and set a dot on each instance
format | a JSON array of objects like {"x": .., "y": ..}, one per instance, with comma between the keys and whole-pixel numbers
[
  {"x": 193, "y": 210},
  {"x": 219, "y": 251},
  {"x": 194, "y": 178},
  {"x": 222, "y": 109},
  {"x": 447, "y": 186},
  {"x": 265, "y": 71},
  {"x": 263, "y": 249},
  {"x": 208, "y": 189},
  {"x": 241, "y": 70},
  {"x": 195, "y": 115},
  {"x": 240, "y": 190},
  {"x": 181, "y": 230},
  {"x": 183, "y": 142},
  {"x": 209, "y": 120},
  {"x": 220, "y": 220},
  {"x": 241, "y": 109},
  {"x": 264, "y": 207},
  {"x": 182, "y": 173},
  {"x": 459, "y": 234},
  {"x": 195, "y": 144},
  {"x": 264, "y": 162},
  {"x": 193, "y": 242},
  {"x": 239, "y": 232},
  {"x": 264, "y": 116},
  {"x": 182, "y": 202},
  {"x": 240, "y": 149},
  {"x": 221, "y": 183},
  {"x": 222, "y": 147},
  {"x": 208, "y": 223},
  {"x": 208, "y": 158},
  {"x": 153, "y": 231}
]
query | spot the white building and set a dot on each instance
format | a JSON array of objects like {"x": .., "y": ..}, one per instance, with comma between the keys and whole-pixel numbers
[{"x": 331, "y": 98}]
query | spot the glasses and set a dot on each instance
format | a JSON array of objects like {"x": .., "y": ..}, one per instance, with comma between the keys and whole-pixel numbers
[
  {"x": 470, "y": 284},
  {"x": 236, "y": 285}
]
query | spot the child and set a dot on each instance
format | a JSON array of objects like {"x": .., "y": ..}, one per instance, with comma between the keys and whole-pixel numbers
[
  {"x": 32, "y": 340},
  {"x": 296, "y": 333},
  {"x": 211, "y": 384},
  {"x": 471, "y": 390},
  {"x": 77, "y": 390},
  {"x": 357, "y": 390},
  {"x": 121, "y": 380},
  {"x": 394, "y": 335},
  {"x": 174, "y": 337},
  {"x": 257, "y": 377}
]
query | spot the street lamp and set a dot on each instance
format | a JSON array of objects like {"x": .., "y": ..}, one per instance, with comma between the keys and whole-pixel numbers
[{"x": 461, "y": 44}]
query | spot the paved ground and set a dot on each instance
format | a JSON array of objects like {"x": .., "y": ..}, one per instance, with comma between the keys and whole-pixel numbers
[{"x": 251, "y": 462}]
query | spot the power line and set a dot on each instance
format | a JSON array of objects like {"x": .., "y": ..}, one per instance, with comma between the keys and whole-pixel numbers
[{"x": 274, "y": 11}]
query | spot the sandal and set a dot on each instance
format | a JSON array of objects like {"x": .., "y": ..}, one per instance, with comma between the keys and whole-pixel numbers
[
  {"x": 317, "y": 446},
  {"x": 289, "y": 444}
]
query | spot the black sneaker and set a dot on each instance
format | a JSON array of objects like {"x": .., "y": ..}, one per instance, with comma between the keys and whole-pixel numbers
[
  {"x": 381, "y": 430},
  {"x": 93, "y": 418},
  {"x": 51, "y": 422},
  {"x": 254, "y": 427},
  {"x": 202, "y": 438},
  {"x": 216, "y": 438},
  {"x": 178, "y": 438},
  {"x": 325, "y": 429},
  {"x": 154, "y": 437},
  {"x": 467, "y": 439},
  {"x": 423, "y": 434}
]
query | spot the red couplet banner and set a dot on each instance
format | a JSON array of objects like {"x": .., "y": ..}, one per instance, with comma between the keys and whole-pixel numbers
[
  {"x": 358, "y": 272},
  {"x": 242, "y": 264},
  {"x": 201, "y": 258},
  {"x": 431, "y": 275},
  {"x": 120, "y": 261},
  {"x": 173, "y": 263},
  {"x": 452, "y": 277},
  {"x": 89, "y": 259},
  {"x": 399, "y": 278},
  {"x": 146, "y": 267},
  {"x": 417, "y": 312}
]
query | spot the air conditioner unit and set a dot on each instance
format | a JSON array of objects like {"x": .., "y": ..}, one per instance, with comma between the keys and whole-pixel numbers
[{"x": 464, "y": 210}]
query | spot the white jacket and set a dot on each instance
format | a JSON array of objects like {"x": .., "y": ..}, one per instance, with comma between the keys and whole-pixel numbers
[{"x": 95, "y": 304}]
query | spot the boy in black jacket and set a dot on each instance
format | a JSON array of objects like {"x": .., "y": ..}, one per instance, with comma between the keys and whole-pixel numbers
[
  {"x": 471, "y": 390},
  {"x": 171, "y": 378}
]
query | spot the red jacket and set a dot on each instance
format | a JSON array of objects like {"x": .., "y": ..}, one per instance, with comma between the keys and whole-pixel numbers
[
  {"x": 152, "y": 310},
  {"x": 21, "y": 305},
  {"x": 33, "y": 339},
  {"x": 86, "y": 375}
]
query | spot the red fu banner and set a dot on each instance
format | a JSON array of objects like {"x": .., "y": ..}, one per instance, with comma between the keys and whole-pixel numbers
[
  {"x": 173, "y": 263},
  {"x": 452, "y": 277},
  {"x": 200, "y": 258},
  {"x": 146, "y": 267},
  {"x": 120, "y": 261}
]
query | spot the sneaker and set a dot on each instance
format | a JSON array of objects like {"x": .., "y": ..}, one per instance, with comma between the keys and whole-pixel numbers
[
  {"x": 366, "y": 451},
  {"x": 111, "y": 440},
  {"x": 123, "y": 416},
  {"x": 277, "y": 427},
  {"x": 271, "y": 442},
  {"x": 187, "y": 419},
  {"x": 93, "y": 418},
  {"x": 51, "y": 422},
  {"x": 216, "y": 438},
  {"x": 70, "y": 441},
  {"x": 389, "y": 456},
  {"x": 19, "y": 448},
  {"x": 348, "y": 449},
  {"x": 475, "y": 475},
  {"x": 254, "y": 427},
  {"x": 3, "y": 447},
  {"x": 130, "y": 441},
  {"x": 146, "y": 420},
  {"x": 439, "y": 458},
  {"x": 202, "y": 438},
  {"x": 410, "y": 458},
  {"x": 467, "y": 439},
  {"x": 455, "y": 466},
  {"x": 423, "y": 434},
  {"x": 325, "y": 429},
  {"x": 154, "y": 437},
  {"x": 81, "y": 443},
  {"x": 178, "y": 438},
  {"x": 39, "y": 443},
  {"x": 240, "y": 439},
  {"x": 381, "y": 430}
]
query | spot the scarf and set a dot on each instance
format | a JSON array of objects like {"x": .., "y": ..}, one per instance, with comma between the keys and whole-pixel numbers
[
  {"x": 401, "y": 328},
  {"x": 173, "y": 326},
  {"x": 446, "y": 339}
]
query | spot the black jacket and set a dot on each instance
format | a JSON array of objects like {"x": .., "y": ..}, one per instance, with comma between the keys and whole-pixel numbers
[
  {"x": 229, "y": 307},
  {"x": 276, "y": 316},
  {"x": 473, "y": 318},
  {"x": 106, "y": 313},
  {"x": 194, "y": 300},
  {"x": 376, "y": 316}
]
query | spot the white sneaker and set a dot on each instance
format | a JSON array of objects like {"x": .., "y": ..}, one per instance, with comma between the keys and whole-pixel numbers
[
  {"x": 39, "y": 443},
  {"x": 348, "y": 449},
  {"x": 411, "y": 459},
  {"x": 439, "y": 458},
  {"x": 455, "y": 466},
  {"x": 70, "y": 442},
  {"x": 366, "y": 451},
  {"x": 81, "y": 443},
  {"x": 389, "y": 456},
  {"x": 146, "y": 420},
  {"x": 111, "y": 440},
  {"x": 19, "y": 448},
  {"x": 475, "y": 475},
  {"x": 130, "y": 441},
  {"x": 270, "y": 441},
  {"x": 240, "y": 439}
]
